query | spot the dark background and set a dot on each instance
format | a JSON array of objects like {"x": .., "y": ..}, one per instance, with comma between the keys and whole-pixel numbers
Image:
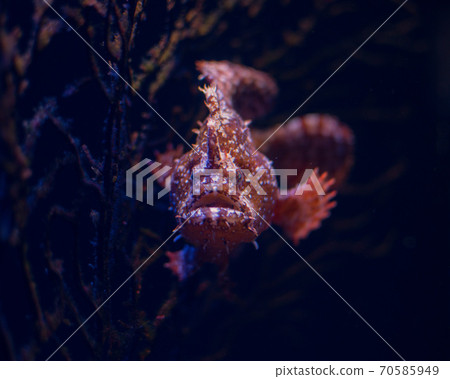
[{"x": 70, "y": 129}]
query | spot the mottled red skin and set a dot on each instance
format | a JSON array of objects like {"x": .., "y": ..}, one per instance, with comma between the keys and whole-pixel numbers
[{"x": 215, "y": 221}]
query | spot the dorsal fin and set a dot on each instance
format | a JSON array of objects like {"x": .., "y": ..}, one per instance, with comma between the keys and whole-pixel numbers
[{"x": 250, "y": 92}]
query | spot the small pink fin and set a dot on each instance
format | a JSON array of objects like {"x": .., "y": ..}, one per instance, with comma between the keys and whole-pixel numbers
[
  {"x": 168, "y": 158},
  {"x": 181, "y": 262}
]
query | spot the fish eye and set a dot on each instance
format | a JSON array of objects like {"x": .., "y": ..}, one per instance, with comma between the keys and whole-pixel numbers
[{"x": 239, "y": 175}]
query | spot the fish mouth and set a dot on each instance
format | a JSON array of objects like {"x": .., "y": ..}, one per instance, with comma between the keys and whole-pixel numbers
[
  {"x": 215, "y": 200},
  {"x": 215, "y": 215}
]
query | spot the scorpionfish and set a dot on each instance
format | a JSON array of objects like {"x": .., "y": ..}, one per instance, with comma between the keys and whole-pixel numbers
[{"x": 224, "y": 191}]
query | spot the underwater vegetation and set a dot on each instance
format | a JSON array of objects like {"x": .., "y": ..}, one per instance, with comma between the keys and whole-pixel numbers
[{"x": 70, "y": 127}]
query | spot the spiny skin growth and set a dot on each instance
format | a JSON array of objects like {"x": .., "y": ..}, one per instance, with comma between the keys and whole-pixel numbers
[
  {"x": 221, "y": 214},
  {"x": 220, "y": 209}
]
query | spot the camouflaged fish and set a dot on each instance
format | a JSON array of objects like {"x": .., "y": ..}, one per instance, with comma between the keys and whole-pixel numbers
[{"x": 224, "y": 210}]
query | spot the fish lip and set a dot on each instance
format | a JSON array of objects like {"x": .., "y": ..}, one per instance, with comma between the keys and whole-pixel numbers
[
  {"x": 215, "y": 200},
  {"x": 212, "y": 212}
]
